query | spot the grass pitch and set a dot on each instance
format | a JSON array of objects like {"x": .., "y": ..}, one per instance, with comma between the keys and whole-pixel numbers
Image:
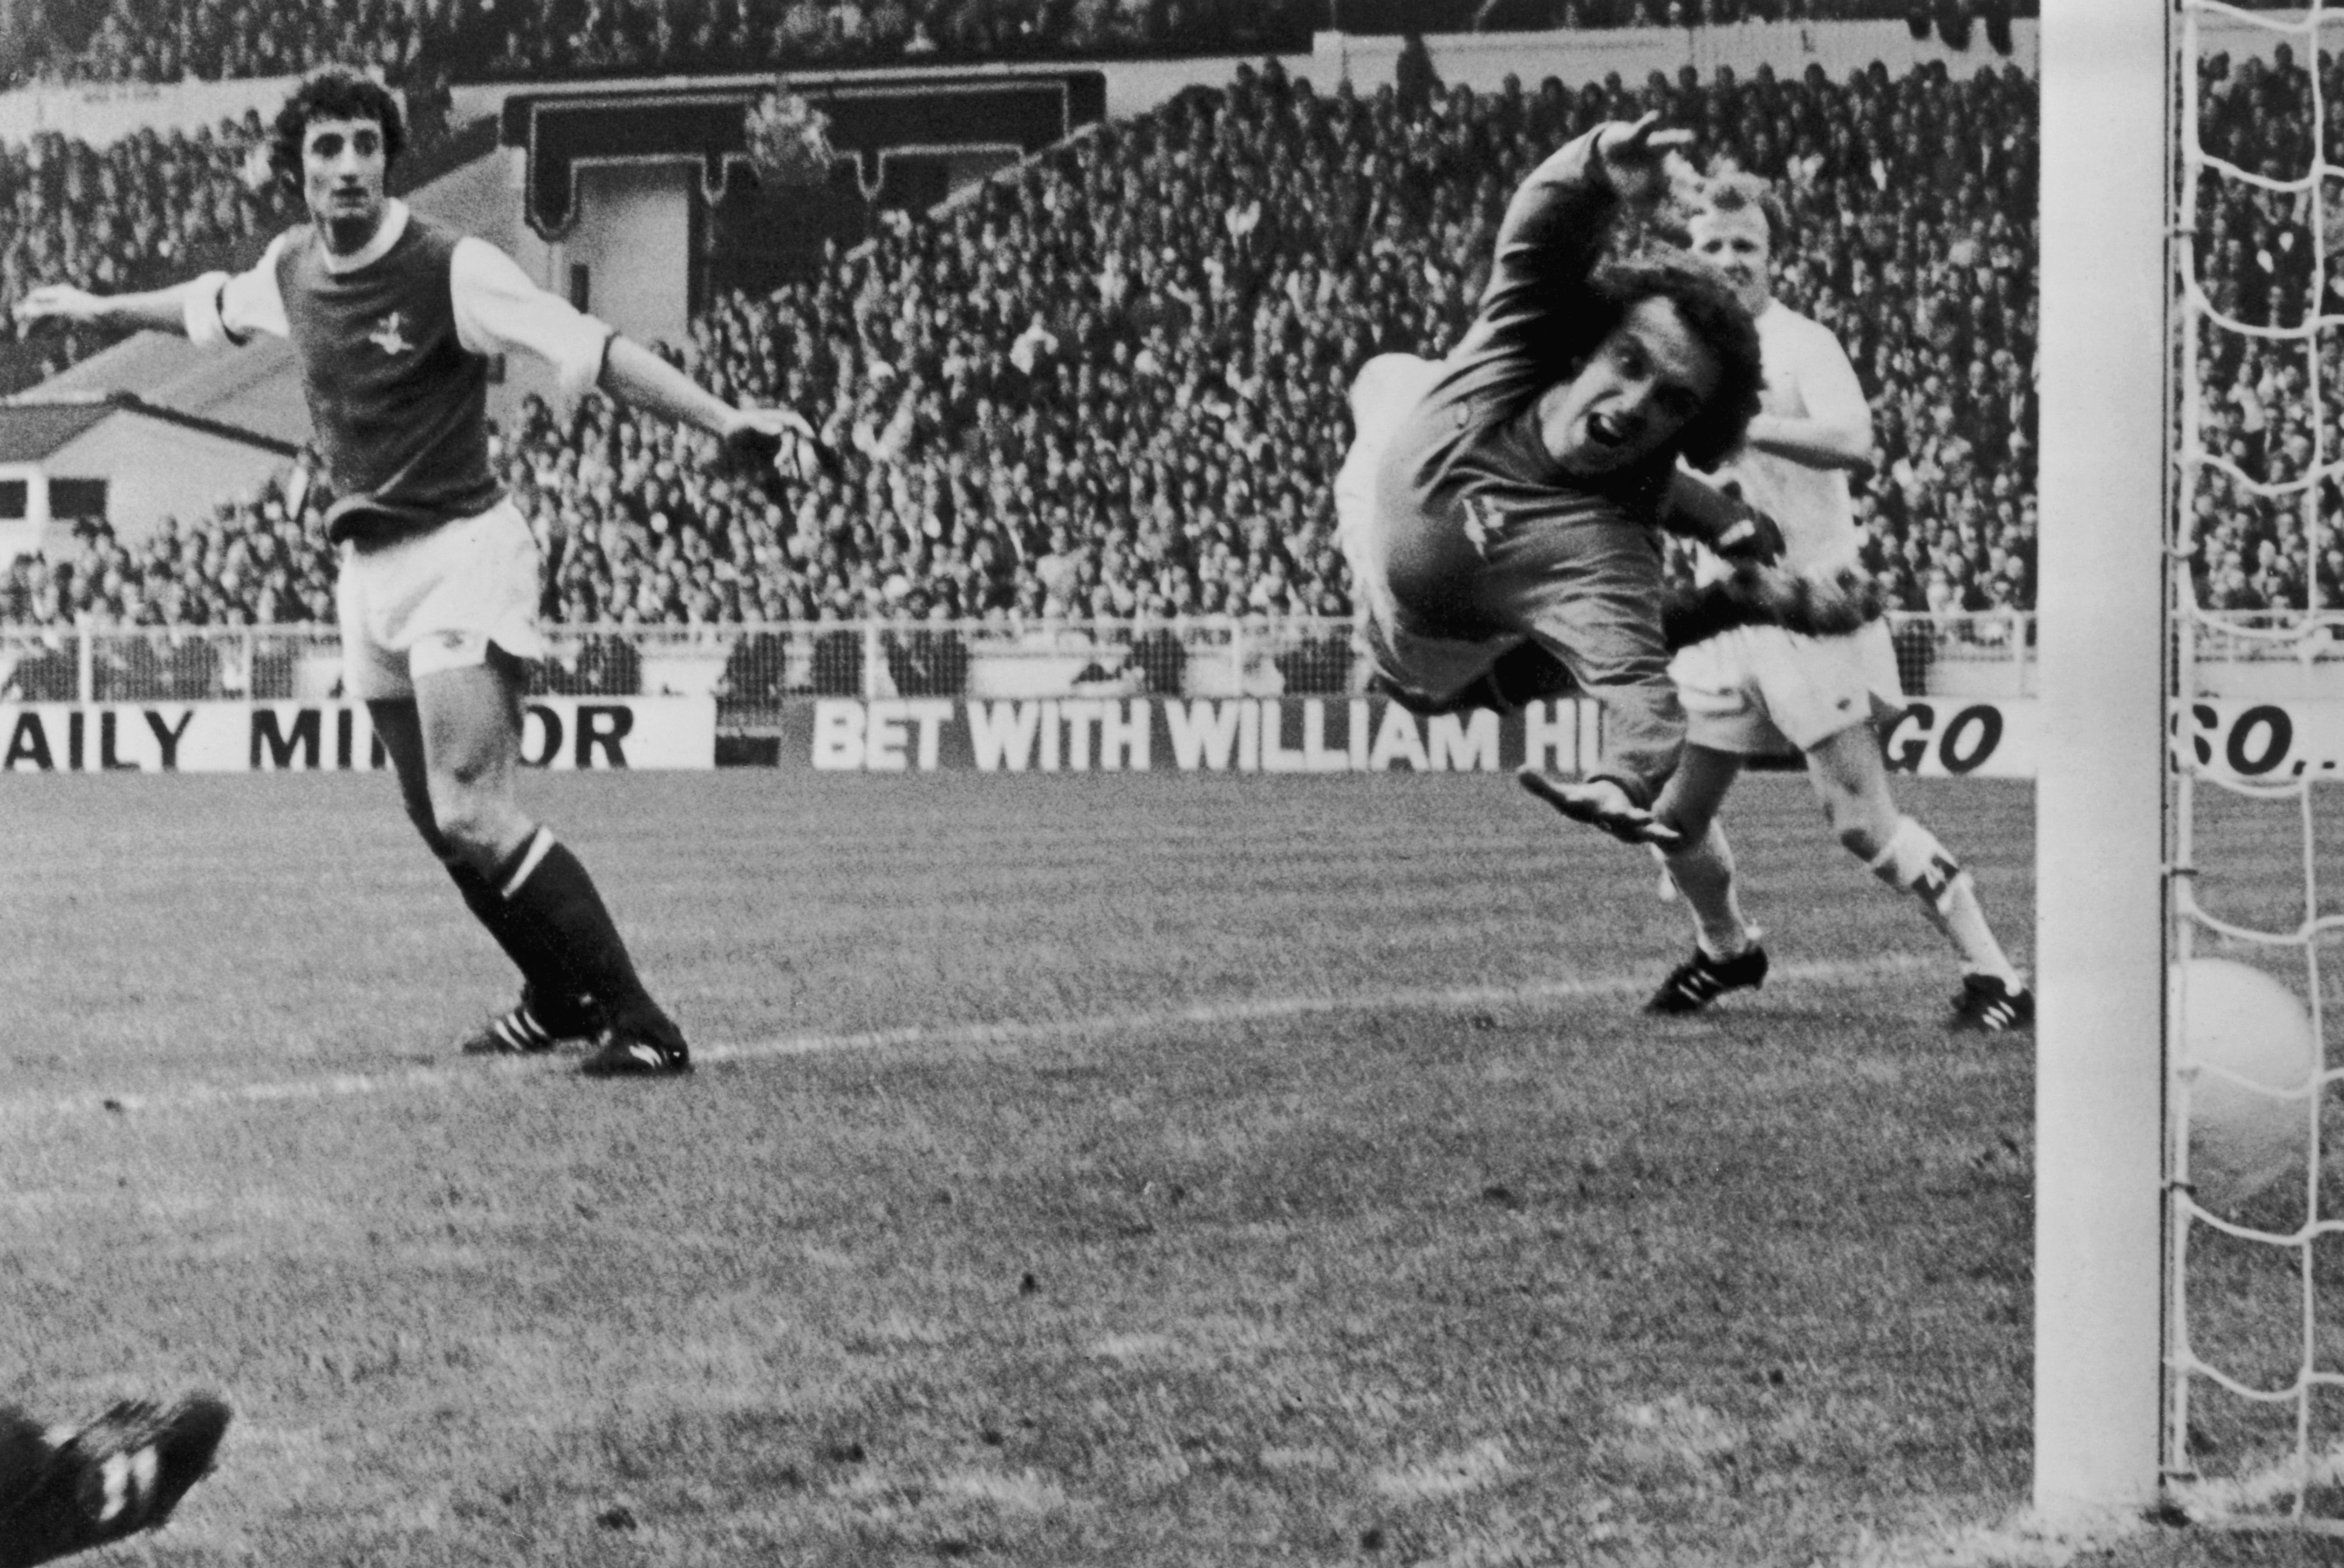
[{"x": 1081, "y": 1169}]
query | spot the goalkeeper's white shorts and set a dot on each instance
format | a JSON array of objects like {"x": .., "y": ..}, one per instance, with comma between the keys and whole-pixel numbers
[{"x": 1748, "y": 691}]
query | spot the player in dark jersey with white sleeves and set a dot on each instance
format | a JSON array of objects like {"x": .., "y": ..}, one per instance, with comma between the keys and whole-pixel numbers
[
  {"x": 394, "y": 321},
  {"x": 1497, "y": 508}
]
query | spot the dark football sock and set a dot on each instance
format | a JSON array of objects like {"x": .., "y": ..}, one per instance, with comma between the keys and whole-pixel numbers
[
  {"x": 38, "y": 1519},
  {"x": 544, "y": 885},
  {"x": 557, "y": 998},
  {"x": 25, "y": 1453}
]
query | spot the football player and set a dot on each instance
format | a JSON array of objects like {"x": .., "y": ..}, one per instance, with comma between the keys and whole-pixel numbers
[
  {"x": 1497, "y": 509},
  {"x": 1748, "y": 690},
  {"x": 394, "y": 321}
]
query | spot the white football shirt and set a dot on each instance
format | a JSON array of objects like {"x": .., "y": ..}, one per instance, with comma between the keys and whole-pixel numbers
[{"x": 1808, "y": 375}]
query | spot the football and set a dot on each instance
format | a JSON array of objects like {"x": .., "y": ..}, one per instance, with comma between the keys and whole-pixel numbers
[{"x": 2247, "y": 1054}]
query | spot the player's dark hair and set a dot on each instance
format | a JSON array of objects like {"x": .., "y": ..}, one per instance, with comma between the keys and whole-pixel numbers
[
  {"x": 1745, "y": 193},
  {"x": 334, "y": 94},
  {"x": 1705, "y": 303}
]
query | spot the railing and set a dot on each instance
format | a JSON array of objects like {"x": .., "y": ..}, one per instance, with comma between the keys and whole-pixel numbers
[
  {"x": 1981, "y": 654},
  {"x": 752, "y": 670},
  {"x": 2268, "y": 655},
  {"x": 2253, "y": 634},
  {"x": 168, "y": 664}
]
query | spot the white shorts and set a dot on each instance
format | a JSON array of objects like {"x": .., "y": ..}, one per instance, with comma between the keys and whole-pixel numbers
[
  {"x": 1387, "y": 386},
  {"x": 438, "y": 601},
  {"x": 1747, "y": 691}
]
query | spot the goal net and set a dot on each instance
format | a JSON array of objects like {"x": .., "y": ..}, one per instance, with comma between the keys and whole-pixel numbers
[{"x": 2253, "y": 1421}]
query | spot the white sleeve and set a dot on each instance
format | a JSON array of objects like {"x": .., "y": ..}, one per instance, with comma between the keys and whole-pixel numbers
[
  {"x": 499, "y": 310},
  {"x": 220, "y": 308},
  {"x": 1827, "y": 382}
]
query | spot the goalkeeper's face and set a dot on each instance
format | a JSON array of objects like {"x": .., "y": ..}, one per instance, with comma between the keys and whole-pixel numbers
[{"x": 1633, "y": 396}]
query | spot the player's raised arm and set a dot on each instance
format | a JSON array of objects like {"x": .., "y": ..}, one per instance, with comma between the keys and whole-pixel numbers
[
  {"x": 755, "y": 438},
  {"x": 1636, "y": 161},
  {"x": 1555, "y": 231},
  {"x": 498, "y": 309},
  {"x": 160, "y": 309},
  {"x": 1643, "y": 163},
  {"x": 212, "y": 309}
]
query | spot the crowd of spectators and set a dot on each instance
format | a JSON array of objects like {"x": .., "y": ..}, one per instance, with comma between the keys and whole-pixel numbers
[
  {"x": 407, "y": 40},
  {"x": 1957, "y": 22},
  {"x": 154, "y": 207},
  {"x": 165, "y": 40},
  {"x": 2266, "y": 525},
  {"x": 1112, "y": 384}
]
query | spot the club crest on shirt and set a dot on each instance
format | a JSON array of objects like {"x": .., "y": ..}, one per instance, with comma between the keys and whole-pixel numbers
[{"x": 387, "y": 337}]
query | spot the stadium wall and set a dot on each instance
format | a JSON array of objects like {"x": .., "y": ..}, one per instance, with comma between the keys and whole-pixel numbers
[
  {"x": 629, "y": 257},
  {"x": 1133, "y": 86},
  {"x": 102, "y": 113}
]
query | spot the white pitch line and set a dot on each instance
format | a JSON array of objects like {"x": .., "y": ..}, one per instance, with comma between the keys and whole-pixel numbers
[{"x": 343, "y": 1085}]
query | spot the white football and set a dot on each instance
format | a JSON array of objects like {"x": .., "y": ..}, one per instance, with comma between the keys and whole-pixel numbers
[{"x": 2245, "y": 1042}]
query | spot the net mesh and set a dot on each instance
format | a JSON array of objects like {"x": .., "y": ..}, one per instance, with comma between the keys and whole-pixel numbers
[{"x": 2255, "y": 1313}]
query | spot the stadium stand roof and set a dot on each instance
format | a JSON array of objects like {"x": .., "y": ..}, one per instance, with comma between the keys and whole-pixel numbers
[
  {"x": 252, "y": 389},
  {"x": 30, "y": 432}
]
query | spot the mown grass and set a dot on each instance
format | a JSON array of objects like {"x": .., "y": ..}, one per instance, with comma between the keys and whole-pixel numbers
[{"x": 1326, "y": 1201}]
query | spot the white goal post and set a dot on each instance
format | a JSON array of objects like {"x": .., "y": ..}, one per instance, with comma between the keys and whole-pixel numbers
[{"x": 2101, "y": 926}]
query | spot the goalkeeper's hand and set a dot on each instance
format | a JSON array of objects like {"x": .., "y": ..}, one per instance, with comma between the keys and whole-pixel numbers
[
  {"x": 1831, "y": 606},
  {"x": 770, "y": 446},
  {"x": 1643, "y": 163},
  {"x": 1834, "y": 605}
]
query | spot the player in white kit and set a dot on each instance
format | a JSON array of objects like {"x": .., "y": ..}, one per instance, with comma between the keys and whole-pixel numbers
[{"x": 1744, "y": 688}]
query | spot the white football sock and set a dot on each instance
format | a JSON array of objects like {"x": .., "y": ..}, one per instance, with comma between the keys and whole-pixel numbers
[{"x": 1917, "y": 863}]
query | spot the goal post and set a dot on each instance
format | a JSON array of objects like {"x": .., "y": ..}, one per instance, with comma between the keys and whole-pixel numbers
[{"x": 2101, "y": 921}]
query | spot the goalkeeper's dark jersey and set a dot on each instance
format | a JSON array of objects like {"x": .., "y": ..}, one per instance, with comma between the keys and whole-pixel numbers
[{"x": 1470, "y": 459}]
